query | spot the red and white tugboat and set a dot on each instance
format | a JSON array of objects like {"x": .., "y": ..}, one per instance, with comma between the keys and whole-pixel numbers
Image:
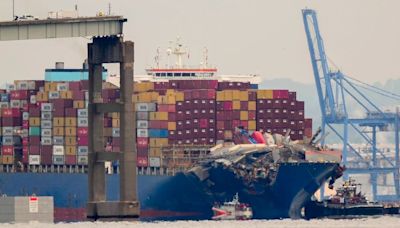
[{"x": 233, "y": 210}]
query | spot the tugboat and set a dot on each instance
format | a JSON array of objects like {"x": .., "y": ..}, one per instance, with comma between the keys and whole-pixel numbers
[
  {"x": 233, "y": 210},
  {"x": 348, "y": 202}
]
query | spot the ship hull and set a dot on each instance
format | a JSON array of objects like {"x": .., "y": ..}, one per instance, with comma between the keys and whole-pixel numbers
[{"x": 182, "y": 196}]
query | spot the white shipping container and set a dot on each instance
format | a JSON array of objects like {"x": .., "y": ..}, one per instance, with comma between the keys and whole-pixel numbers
[
  {"x": 86, "y": 95},
  {"x": 54, "y": 95},
  {"x": 10, "y": 87},
  {"x": 82, "y": 159},
  {"x": 31, "y": 85},
  {"x": 8, "y": 140},
  {"x": 33, "y": 99},
  {"x": 142, "y": 124},
  {"x": 46, "y": 107},
  {"x": 4, "y": 105},
  {"x": 46, "y": 124},
  {"x": 24, "y": 132},
  {"x": 83, "y": 150},
  {"x": 83, "y": 122},
  {"x": 23, "y": 103},
  {"x": 142, "y": 132},
  {"x": 8, "y": 131},
  {"x": 83, "y": 113},
  {"x": 46, "y": 132},
  {"x": 15, "y": 103},
  {"x": 146, "y": 107},
  {"x": 25, "y": 116},
  {"x": 58, "y": 140},
  {"x": 154, "y": 161},
  {"x": 34, "y": 159},
  {"x": 58, "y": 150},
  {"x": 62, "y": 87},
  {"x": 47, "y": 141},
  {"x": 115, "y": 132},
  {"x": 22, "y": 85},
  {"x": 46, "y": 115}
]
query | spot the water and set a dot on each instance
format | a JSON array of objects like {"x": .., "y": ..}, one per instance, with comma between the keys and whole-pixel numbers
[{"x": 382, "y": 221}]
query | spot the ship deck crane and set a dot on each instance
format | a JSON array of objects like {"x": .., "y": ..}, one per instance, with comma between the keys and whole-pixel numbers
[{"x": 339, "y": 97}]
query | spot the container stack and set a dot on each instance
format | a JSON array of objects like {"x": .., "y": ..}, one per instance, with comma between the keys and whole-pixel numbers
[{"x": 51, "y": 118}]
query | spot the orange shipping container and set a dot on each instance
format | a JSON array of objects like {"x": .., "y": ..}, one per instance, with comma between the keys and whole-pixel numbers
[
  {"x": 244, "y": 115},
  {"x": 228, "y": 95},
  {"x": 179, "y": 96},
  {"x": 42, "y": 96},
  {"x": 70, "y": 131},
  {"x": 58, "y": 131},
  {"x": 220, "y": 95},
  {"x": 79, "y": 104},
  {"x": 252, "y": 125},
  {"x": 8, "y": 159},
  {"x": 236, "y": 105},
  {"x": 235, "y": 95},
  {"x": 34, "y": 121},
  {"x": 244, "y": 96},
  {"x": 171, "y": 126},
  {"x": 115, "y": 123},
  {"x": 58, "y": 122},
  {"x": 155, "y": 152},
  {"x": 70, "y": 121},
  {"x": 66, "y": 94},
  {"x": 252, "y": 106},
  {"x": 70, "y": 150}
]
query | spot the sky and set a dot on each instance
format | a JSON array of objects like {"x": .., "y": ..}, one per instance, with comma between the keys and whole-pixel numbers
[{"x": 262, "y": 37}]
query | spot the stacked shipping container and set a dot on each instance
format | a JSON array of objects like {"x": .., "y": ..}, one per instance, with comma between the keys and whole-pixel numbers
[{"x": 51, "y": 118}]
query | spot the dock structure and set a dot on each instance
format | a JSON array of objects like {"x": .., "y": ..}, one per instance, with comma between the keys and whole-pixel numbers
[{"x": 107, "y": 47}]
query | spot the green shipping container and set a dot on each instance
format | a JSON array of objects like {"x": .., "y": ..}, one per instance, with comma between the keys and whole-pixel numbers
[{"x": 34, "y": 131}]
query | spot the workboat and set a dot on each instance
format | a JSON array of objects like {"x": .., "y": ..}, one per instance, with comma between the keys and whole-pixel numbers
[{"x": 232, "y": 210}]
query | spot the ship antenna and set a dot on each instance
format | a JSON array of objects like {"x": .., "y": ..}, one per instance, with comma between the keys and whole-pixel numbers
[
  {"x": 205, "y": 52},
  {"x": 179, "y": 52},
  {"x": 169, "y": 52},
  {"x": 157, "y": 58}
]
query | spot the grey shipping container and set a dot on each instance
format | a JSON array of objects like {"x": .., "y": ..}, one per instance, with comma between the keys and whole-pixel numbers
[
  {"x": 25, "y": 116},
  {"x": 83, "y": 113},
  {"x": 82, "y": 159},
  {"x": 25, "y": 209},
  {"x": 47, "y": 141},
  {"x": 46, "y": 107},
  {"x": 146, "y": 107},
  {"x": 46, "y": 124},
  {"x": 46, "y": 115},
  {"x": 142, "y": 124},
  {"x": 46, "y": 132},
  {"x": 142, "y": 115},
  {"x": 83, "y": 150},
  {"x": 83, "y": 122},
  {"x": 8, "y": 140},
  {"x": 8, "y": 131},
  {"x": 58, "y": 159},
  {"x": 115, "y": 132},
  {"x": 58, "y": 140}
]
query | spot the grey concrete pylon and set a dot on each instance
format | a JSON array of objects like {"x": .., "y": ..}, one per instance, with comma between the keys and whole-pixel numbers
[{"x": 111, "y": 50}]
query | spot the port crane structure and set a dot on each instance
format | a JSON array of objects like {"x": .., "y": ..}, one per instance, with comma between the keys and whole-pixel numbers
[{"x": 339, "y": 96}]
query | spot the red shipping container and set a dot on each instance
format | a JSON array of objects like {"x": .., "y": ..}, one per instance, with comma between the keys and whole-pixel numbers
[
  {"x": 83, "y": 131},
  {"x": 19, "y": 94},
  {"x": 116, "y": 141},
  {"x": 11, "y": 121},
  {"x": 308, "y": 123},
  {"x": 228, "y": 105},
  {"x": 25, "y": 124},
  {"x": 34, "y": 140},
  {"x": 74, "y": 86},
  {"x": 244, "y": 105},
  {"x": 25, "y": 159},
  {"x": 154, "y": 124},
  {"x": 142, "y": 161},
  {"x": 292, "y": 96},
  {"x": 25, "y": 141},
  {"x": 83, "y": 140},
  {"x": 187, "y": 95},
  {"x": 10, "y": 112},
  {"x": 196, "y": 94},
  {"x": 219, "y": 106},
  {"x": 171, "y": 135},
  {"x": 142, "y": 142},
  {"x": 7, "y": 150},
  {"x": 220, "y": 115},
  {"x": 78, "y": 95},
  {"x": 38, "y": 84},
  {"x": 300, "y": 105},
  {"x": 244, "y": 124},
  {"x": 235, "y": 115},
  {"x": 34, "y": 150},
  {"x": 115, "y": 149},
  {"x": 161, "y": 85},
  {"x": 171, "y": 116},
  {"x": 25, "y": 107},
  {"x": 84, "y": 84},
  {"x": 70, "y": 112},
  {"x": 34, "y": 112},
  {"x": 252, "y": 115},
  {"x": 58, "y": 112},
  {"x": 70, "y": 159},
  {"x": 107, "y": 122},
  {"x": 46, "y": 149},
  {"x": 143, "y": 151},
  {"x": 162, "y": 108},
  {"x": 203, "y": 123}
]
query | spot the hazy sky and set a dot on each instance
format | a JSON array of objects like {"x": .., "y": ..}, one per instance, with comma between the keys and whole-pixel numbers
[{"x": 247, "y": 37}]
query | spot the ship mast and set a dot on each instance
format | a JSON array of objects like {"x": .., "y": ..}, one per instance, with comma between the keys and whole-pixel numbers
[{"x": 179, "y": 52}]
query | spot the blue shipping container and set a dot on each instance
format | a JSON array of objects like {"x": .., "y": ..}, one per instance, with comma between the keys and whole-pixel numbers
[{"x": 158, "y": 133}]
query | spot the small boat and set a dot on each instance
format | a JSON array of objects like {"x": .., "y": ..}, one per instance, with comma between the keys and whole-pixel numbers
[
  {"x": 233, "y": 210},
  {"x": 348, "y": 202}
]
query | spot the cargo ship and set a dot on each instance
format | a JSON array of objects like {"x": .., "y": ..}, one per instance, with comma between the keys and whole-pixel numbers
[{"x": 182, "y": 113}]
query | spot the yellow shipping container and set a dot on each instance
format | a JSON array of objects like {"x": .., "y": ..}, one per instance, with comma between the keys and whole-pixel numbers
[
  {"x": 252, "y": 125},
  {"x": 70, "y": 141},
  {"x": 265, "y": 94},
  {"x": 161, "y": 142},
  {"x": 154, "y": 96},
  {"x": 162, "y": 115},
  {"x": 244, "y": 95},
  {"x": 70, "y": 131},
  {"x": 42, "y": 96},
  {"x": 79, "y": 104},
  {"x": 252, "y": 106},
  {"x": 115, "y": 123},
  {"x": 58, "y": 131},
  {"x": 70, "y": 150},
  {"x": 220, "y": 95},
  {"x": 70, "y": 121},
  {"x": 161, "y": 100},
  {"x": 244, "y": 115},
  {"x": 115, "y": 115},
  {"x": 58, "y": 122},
  {"x": 171, "y": 126},
  {"x": 228, "y": 95},
  {"x": 170, "y": 92},
  {"x": 236, "y": 105},
  {"x": 152, "y": 142},
  {"x": 50, "y": 86},
  {"x": 143, "y": 86},
  {"x": 152, "y": 116},
  {"x": 66, "y": 94},
  {"x": 144, "y": 97},
  {"x": 235, "y": 95},
  {"x": 179, "y": 96},
  {"x": 155, "y": 152},
  {"x": 34, "y": 121},
  {"x": 135, "y": 98}
]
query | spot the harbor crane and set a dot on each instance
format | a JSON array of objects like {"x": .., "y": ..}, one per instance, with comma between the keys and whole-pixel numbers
[{"x": 341, "y": 97}]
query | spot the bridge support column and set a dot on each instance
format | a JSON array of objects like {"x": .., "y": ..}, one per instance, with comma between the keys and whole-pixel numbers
[{"x": 111, "y": 50}]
